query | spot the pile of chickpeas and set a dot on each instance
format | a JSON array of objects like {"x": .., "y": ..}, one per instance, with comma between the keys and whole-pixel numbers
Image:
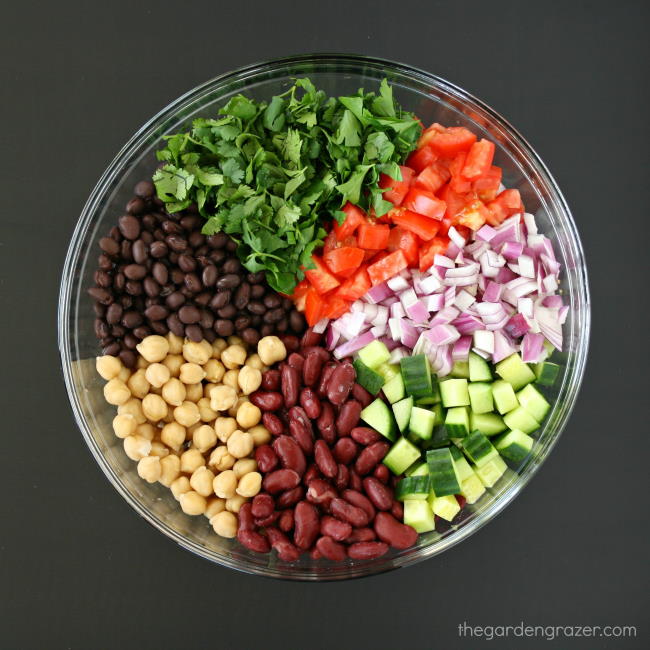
[{"x": 184, "y": 415}]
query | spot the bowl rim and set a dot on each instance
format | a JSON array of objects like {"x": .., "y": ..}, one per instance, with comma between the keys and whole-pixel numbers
[{"x": 246, "y": 72}]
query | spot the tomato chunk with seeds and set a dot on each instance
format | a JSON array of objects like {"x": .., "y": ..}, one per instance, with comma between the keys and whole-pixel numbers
[
  {"x": 320, "y": 278},
  {"x": 473, "y": 215},
  {"x": 425, "y": 203},
  {"x": 487, "y": 186},
  {"x": 459, "y": 183},
  {"x": 387, "y": 267},
  {"x": 354, "y": 217},
  {"x": 299, "y": 294},
  {"x": 505, "y": 205}
]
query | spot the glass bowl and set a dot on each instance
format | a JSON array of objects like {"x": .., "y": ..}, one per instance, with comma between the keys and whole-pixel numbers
[{"x": 432, "y": 99}]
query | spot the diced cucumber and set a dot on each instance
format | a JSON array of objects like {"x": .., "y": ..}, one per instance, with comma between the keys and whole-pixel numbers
[
  {"x": 514, "y": 445},
  {"x": 504, "y": 396},
  {"x": 444, "y": 479},
  {"x": 445, "y": 507},
  {"x": 488, "y": 423},
  {"x": 372, "y": 381},
  {"x": 546, "y": 373},
  {"x": 419, "y": 468},
  {"x": 394, "y": 389},
  {"x": 416, "y": 372},
  {"x": 374, "y": 354},
  {"x": 418, "y": 514},
  {"x": 401, "y": 456},
  {"x": 472, "y": 488},
  {"x": 457, "y": 422},
  {"x": 378, "y": 416},
  {"x": 413, "y": 487},
  {"x": 492, "y": 471},
  {"x": 480, "y": 396},
  {"x": 434, "y": 398},
  {"x": 521, "y": 419},
  {"x": 460, "y": 369},
  {"x": 402, "y": 412},
  {"x": 479, "y": 449},
  {"x": 454, "y": 392},
  {"x": 515, "y": 371},
  {"x": 534, "y": 402},
  {"x": 421, "y": 422},
  {"x": 479, "y": 369},
  {"x": 388, "y": 371},
  {"x": 463, "y": 468}
]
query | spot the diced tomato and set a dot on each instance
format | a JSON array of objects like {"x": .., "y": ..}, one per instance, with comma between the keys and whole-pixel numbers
[
  {"x": 343, "y": 261},
  {"x": 424, "y": 203},
  {"x": 335, "y": 306},
  {"x": 424, "y": 227},
  {"x": 455, "y": 201},
  {"x": 387, "y": 267},
  {"x": 354, "y": 217},
  {"x": 487, "y": 186},
  {"x": 429, "y": 133},
  {"x": 320, "y": 278},
  {"x": 330, "y": 243},
  {"x": 457, "y": 182},
  {"x": 369, "y": 255},
  {"x": 299, "y": 294},
  {"x": 395, "y": 190},
  {"x": 428, "y": 250},
  {"x": 315, "y": 307},
  {"x": 451, "y": 141},
  {"x": 432, "y": 178},
  {"x": 479, "y": 160},
  {"x": 356, "y": 286},
  {"x": 421, "y": 158},
  {"x": 506, "y": 204},
  {"x": 406, "y": 241},
  {"x": 473, "y": 215},
  {"x": 373, "y": 236}
]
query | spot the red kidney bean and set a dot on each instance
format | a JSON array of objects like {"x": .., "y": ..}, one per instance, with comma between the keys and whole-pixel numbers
[
  {"x": 266, "y": 400},
  {"x": 348, "y": 417},
  {"x": 246, "y": 517},
  {"x": 324, "y": 459},
  {"x": 281, "y": 480},
  {"x": 355, "y": 481},
  {"x": 392, "y": 532},
  {"x": 324, "y": 354},
  {"x": 325, "y": 376},
  {"x": 312, "y": 369},
  {"x": 370, "y": 456},
  {"x": 367, "y": 550},
  {"x": 290, "y": 454},
  {"x": 340, "y": 383},
  {"x": 330, "y": 549},
  {"x": 342, "y": 477},
  {"x": 361, "y": 395},
  {"x": 262, "y": 522},
  {"x": 325, "y": 423},
  {"x": 320, "y": 492},
  {"x": 394, "y": 480},
  {"x": 361, "y": 535},
  {"x": 311, "y": 473},
  {"x": 300, "y": 429},
  {"x": 286, "y": 551},
  {"x": 344, "y": 510},
  {"x": 335, "y": 528},
  {"x": 271, "y": 380},
  {"x": 262, "y": 506},
  {"x": 315, "y": 554},
  {"x": 289, "y": 498},
  {"x": 291, "y": 342},
  {"x": 364, "y": 435},
  {"x": 253, "y": 541},
  {"x": 310, "y": 403},
  {"x": 305, "y": 524},
  {"x": 397, "y": 510},
  {"x": 296, "y": 361},
  {"x": 285, "y": 522},
  {"x": 266, "y": 458},
  {"x": 382, "y": 473},
  {"x": 290, "y": 382},
  {"x": 378, "y": 493},
  {"x": 310, "y": 338},
  {"x": 360, "y": 501},
  {"x": 273, "y": 423},
  {"x": 345, "y": 450}
]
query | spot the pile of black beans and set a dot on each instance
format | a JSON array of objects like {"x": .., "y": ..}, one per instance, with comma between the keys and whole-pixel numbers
[{"x": 158, "y": 273}]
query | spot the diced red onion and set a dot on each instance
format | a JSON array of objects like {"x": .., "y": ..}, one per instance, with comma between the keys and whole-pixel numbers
[
  {"x": 502, "y": 347},
  {"x": 485, "y": 233},
  {"x": 550, "y": 284},
  {"x": 389, "y": 301},
  {"x": 370, "y": 311},
  {"x": 354, "y": 345},
  {"x": 398, "y": 283},
  {"x": 445, "y": 315},
  {"x": 531, "y": 226},
  {"x": 381, "y": 316},
  {"x": 467, "y": 324},
  {"x": 444, "y": 361},
  {"x": 456, "y": 237},
  {"x": 517, "y": 326},
  {"x": 389, "y": 343},
  {"x": 443, "y": 334},
  {"x": 397, "y": 310},
  {"x": 435, "y": 302},
  {"x": 484, "y": 340},
  {"x": 492, "y": 292},
  {"x": 409, "y": 334},
  {"x": 464, "y": 300},
  {"x": 525, "y": 306},
  {"x": 321, "y": 326},
  {"x": 408, "y": 297},
  {"x": 506, "y": 232},
  {"x": 552, "y": 301},
  {"x": 531, "y": 347},
  {"x": 562, "y": 314},
  {"x": 549, "y": 324},
  {"x": 505, "y": 275},
  {"x": 442, "y": 260},
  {"x": 418, "y": 312},
  {"x": 511, "y": 250},
  {"x": 332, "y": 337},
  {"x": 379, "y": 330},
  {"x": 378, "y": 293},
  {"x": 460, "y": 351},
  {"x": 397, "y": 354},
  {"x": 477, "y": 248},
  {"x": 430, "y": 284},
  {"x": 526, "y": 266}
]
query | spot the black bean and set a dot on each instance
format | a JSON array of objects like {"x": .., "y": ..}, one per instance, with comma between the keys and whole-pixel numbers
[
  {"x": 186, "y": 262},
  {"x": 113, "y": 349},
  {"x": 218, "y": 256},
  {"x": 231, "y": 246},
  {"x": 141, "y": 332},
  {"x": 228, "y": 312},
  {"x": 266, "y": 329},
  {"x": 209, "y": 275},
  {"x": 250, "y": 336},
  {"x": 194, "y": 332},
  {"x": 114, "y": 314},
  {"x": 135, "y": 205},
  {"x": 130, "y": 341},
  {"x": 178, "y": 277},
  {"x": 129, "y": 226},
  {"x": 135, "y": 271},
  {"x": 175, "y": 325},
  {"x": 158, "y": 249},
  {"x": 272, "y": 300},
  {"x": 228, "y": 281},
  {"x": 144, "y": 189},
  {"x": 282, "y": 325},
  {"x": 126, "y": 250},
  {"x": 119, "y": 281},
  {"x": 101, "y": 328},
  {"x": 297, "y": 321},
  {"x": 287, "y": 304},
  {"x": 274, "y": 315},
  {"x": 175, "y": 300},
  {"x": 242, "y": 322},
  {"x": 255, "y": 278},
  {"x": 104, "y": 262},
  {"x": 242, "y": 295},
  {"x": 133, "y": 287},
  {"x": 103, "y": 279},
  {"x": 115, "y": 234},
  {"x": 193, "y": 283},
  {"x": 99, "y": 309},
  {"x": 151, "y": 287},
  {"x": 207, "y": 319},
  {"x": 139, "y": 251},
  {"x": 156, "y": 312},
  {"x": 257, "y": 291},
  {"x": 195, "y": 239},
  {"x": 126, "y": 301},
  {"x": 256, "y": 320},
  {"x": 220, "y": 299},
  {"x": 176, "y": 243},
  {"x": 442, "y": 526},
  {"x": 131, "y": 319},
  {"x": 101, "y": 295},
  {"x": 109, "y": 246},
  {"x": 191, "y": 222},
  {"x": 138, "y": 304},
  {"x": 217, "y": 241},
  {"x": 223, "y": 327},
  {"x": 171, "y": 227},
  {"x": 256, "y": 307},
  {"x": 189, "y": 314},
  {"x": 160, "y": 272},
  {"x": 232, "y": 265},
  {"x": 118, "y": 331},
  {"x": 107, "y": 340},
  {"x": 149, "y": 222},
  {"x": 463, "y": 515},
  {"x": 159, "y": 327},
  {"x": 202, "y": 251},
  {"x": 209, "y": 335}
]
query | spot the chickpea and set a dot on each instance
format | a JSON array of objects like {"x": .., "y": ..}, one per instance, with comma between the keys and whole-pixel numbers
[
  {"x": 224, "y": 524},
  {"x": 271, "y": 349},
  {"x": 225, "y": 484},
  {"x": 173, "y": 435},
  {"x": 249, "y": 484},
  {"x": 248, "y": 415},
  {"x": 214, "y": 370},
  {"x": 124, "y": 425},
  {"x": 154, "y": 407},
  {"x": 201, "y": 481},
  {"x": 175, "y": 343},
  {"x": 224, "y": 427},
  {"x": 220, "y": 459},
  {"x": 149, "y": 468},
  {"x": 133, "y": 407},
  {"x": 187, "y": 414},
  {"x": 159, "y": 449},
  {"x": 218, "y": 346},
  {"x": 235, "y": 503},
  {"x": 192, "y": 503},
  {"x": 191, "y": 373},
  {"x": 249, "y": 379},
  {"x": 222, "y": 398},
  {"x": 170, "y": 468},
  {"x": 214, "y": 507},
  {"x": 138, "y": 384},
  {"x": 205, "y": 412},
  {"x": 174, "y": 392},
  {"x": 255, "y": 362},
  {"x": 191, "y": 460},
  {"x": 141, "y": 362},
  {"x": 197, "y": 352},
  {"x": 157, "y": 374},
  {"x": 153, "y": 348},
  {"x": 116, "y": 392},
  {"x": 204, "y": 438},
  {"x": 194, "y": 392},
  {"x": 174, "y": 362},
  {"x": 108, "y": 367},
  {"x": 231, "y": 378},
  {"x": 243, "y": 466},
  {"x": 191, "y": 430},
  {"x": 233, "y": 339},
  {"x": 136, "y": 447},
  {"x": 169, "y": 417},
  {"x": 233, "y": 356},
  {"x": 146, "y": 430},
  {"x": 180, "y": 486},
  {"x": 240, "y": 444},
  {"x": 232, "y": 411},
  {"x": 261, "y": 435}
]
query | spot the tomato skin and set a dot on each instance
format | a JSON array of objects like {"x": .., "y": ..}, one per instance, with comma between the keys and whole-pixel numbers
[
  {"x": 487, "y": 186},
  {"x": 395, "y": 190},
  {"x": 354, "y": 217},
  {"x": 424, "y": 203},
  {"x": 505, "y": 205},
  {"x": 406, "y": 241},
  {"x": 451, "y": 141},
  {"x": 455, "y": 201},
  {"x": 473, "y": 215},
  {"x": 458, "y": 183},
  {"x": 479, "y": 160},
  {"x": 424, "y": 227},
  {"x": 421, "y": 158},
  {"x": 428, "y": 251},
  {"x": 335, "y": 307},
  {"x": 314, "y": 307},
  {"x": 432, "y": 178},
  {"x": 343, "y": 261},
  {"x": 320, "y": 278},
  {"x": 387, "y": 267},
  {"x": 373, "y": 236},
  {"x": 356, "y": 286}
]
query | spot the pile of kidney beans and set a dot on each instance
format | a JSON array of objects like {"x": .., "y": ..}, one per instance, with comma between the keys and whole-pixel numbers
[{"x": 324, "y": 489}]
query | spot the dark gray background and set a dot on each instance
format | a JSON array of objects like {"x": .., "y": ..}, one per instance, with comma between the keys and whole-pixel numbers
[{"x": 79, "y": 569}]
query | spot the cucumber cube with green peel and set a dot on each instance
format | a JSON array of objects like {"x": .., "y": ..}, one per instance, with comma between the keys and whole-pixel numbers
[
  {"x": 374, "y": 354},
  {"x": 367, "y": 378},
  {"x": 480, "y": 397},
  {"x": 419, "y": 468},
  {"x": 546, "y": 373},
  {"x": 521, "y": 419},
  {"x": 394, "y": 389},
  {"x": 402, "y": 412},
  {"x": 421, "y": 422},
  {"x": 457, "y": 422},
  {"x": 514, "y": 445},
  {"x": 444, "y": 479},
  {"x": 534, "y": 402},
  {"x": 413, "y": 487},
  {"x": 515, "y": 371},
  {"x": 378, "y": 416},
  {"x": 401, "y": 456},
  {"x": 479, "y": 449},
  {"x": 504, "y": 396}
]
